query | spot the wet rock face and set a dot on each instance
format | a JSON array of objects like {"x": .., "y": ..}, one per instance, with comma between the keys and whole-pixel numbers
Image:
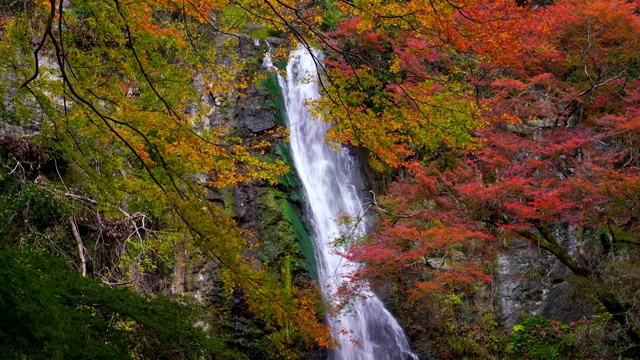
[
  {"x": 22, "y": 131},
  {"x": 268, "y": 213},
  {"x": 220, "y": 110},
  {"x": 531, "y": 281},
  {"x": 253, "y": 116},
  {"x": 521, "y": 288},
  {"x": 229, "y": 109},
  {"x": 244, "y": 200},
  {"x": 201, "y": 279},
  {"x": 9, "y": 125}
]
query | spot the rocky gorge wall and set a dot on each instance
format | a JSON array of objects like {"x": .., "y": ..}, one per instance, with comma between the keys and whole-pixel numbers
[{"x": 530, "y": 281}]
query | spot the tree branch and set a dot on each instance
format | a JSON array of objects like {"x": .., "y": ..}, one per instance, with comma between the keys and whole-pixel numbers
[{"x": 47, "y": 31}]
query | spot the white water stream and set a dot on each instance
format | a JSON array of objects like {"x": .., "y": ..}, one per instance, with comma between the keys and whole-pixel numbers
[{"x": 333, "y": 187}]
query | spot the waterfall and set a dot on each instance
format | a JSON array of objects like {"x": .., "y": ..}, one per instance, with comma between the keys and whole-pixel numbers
[{"x": 333, "y": 186}]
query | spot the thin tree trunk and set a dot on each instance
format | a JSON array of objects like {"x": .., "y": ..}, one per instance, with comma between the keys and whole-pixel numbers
[{"x": 76, "y": 234}]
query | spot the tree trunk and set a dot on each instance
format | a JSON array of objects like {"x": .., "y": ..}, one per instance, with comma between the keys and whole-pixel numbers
[
  {"x": 76, "y": 234},
  {"x": 610, "y": 302}
]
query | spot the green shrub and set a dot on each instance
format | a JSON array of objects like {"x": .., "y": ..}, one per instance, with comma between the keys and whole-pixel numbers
[
  {"x": 540, "y": 338},
  {"x": 48, "y": 311}
]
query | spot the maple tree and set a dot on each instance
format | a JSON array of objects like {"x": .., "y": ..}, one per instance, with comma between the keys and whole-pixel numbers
[
  {"x": 548, "y": 139},
  {"x": 398, "y": 72},
  {"x": 117, "y": 89}
]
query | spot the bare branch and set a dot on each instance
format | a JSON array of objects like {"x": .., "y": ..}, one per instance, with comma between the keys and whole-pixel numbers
[{"x": 47, "y": 31}]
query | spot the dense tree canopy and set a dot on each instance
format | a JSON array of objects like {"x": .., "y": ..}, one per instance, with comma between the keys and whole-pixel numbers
[
  {"x": 117, "y": 90},
  {"x": 511, "y": 121}
]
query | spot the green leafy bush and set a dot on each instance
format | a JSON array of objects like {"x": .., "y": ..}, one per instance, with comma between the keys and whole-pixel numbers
[
  {"x": 48, "y": 311},
  {"x": 540, "y": 338}
]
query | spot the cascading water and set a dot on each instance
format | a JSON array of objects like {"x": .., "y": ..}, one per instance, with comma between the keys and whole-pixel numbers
[{"x": 333, "y": 187}]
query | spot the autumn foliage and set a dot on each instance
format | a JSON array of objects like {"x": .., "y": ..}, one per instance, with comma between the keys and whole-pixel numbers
[
  {"x": 508, "y": 121},
  {"x": 119, "y": 90},
  {"x": 496, "y": 119}
]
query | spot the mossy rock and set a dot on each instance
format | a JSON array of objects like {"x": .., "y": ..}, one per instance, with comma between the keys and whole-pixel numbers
[
  {"x": 290, "y": 181},
  {"x": 282, "y": 231}
]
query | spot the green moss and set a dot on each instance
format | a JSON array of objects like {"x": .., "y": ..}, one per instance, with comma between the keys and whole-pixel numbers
[
  {"x": 274, "y": 98},
  {"x": 229, "y": 201},
  {"x": 304, "y": 241},
  {"x": 283, "y": 233},
  {"x": 289, "y": 182}
]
